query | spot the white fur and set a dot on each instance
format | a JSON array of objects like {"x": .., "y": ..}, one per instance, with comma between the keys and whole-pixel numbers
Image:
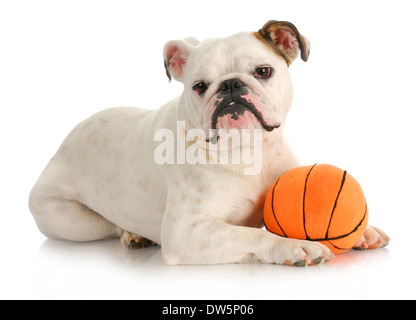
[{"x": 104, "y": 181}]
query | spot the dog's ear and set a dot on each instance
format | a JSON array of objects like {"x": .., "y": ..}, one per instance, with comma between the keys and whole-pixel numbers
[
  {"x": 175, "y": 54},
  {"x": 284, "y": 38}
]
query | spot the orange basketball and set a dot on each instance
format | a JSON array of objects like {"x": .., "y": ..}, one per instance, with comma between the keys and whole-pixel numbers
[{"x": 317, "y": 203}]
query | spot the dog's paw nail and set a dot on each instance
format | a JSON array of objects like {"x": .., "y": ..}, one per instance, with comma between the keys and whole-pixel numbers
[
  {"x": 133, "y": 245},
  {"x": 383, "y": 244},
  {"x": 300, "y": 263},
  {"x": 362, "y": 246},
  {"x": 317, "y": 261},
  {"x": 146, "y": 242}
]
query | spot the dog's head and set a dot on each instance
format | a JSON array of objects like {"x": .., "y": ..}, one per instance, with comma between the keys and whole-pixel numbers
[{"x": 239, "y": 82}]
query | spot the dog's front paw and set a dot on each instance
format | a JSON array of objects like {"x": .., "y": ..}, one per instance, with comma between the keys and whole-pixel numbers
[
  {"x": 373, "y": 238},
  {"x": 135, "y": 241},
  {"x": 300, "y": 253}
]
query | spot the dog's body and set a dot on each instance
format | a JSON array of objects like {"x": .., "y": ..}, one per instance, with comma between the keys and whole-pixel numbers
[{"x": 105, "y": 180}]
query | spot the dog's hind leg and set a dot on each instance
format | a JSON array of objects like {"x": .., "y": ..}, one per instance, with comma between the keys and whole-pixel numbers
[{"x": 59, "y": 215}]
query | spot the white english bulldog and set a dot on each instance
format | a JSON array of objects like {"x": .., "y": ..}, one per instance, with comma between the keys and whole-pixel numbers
[{"x": 170, "y": 177}]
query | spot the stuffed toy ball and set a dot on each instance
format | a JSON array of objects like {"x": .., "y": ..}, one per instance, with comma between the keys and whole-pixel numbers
[{"x": 317, "y": 203}]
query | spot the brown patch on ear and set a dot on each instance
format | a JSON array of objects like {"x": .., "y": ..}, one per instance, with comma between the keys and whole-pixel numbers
[
  {"x": 273, "y": 47},
  {"x": 167, "y": 70},
  {"x": 284, "y": 39}
]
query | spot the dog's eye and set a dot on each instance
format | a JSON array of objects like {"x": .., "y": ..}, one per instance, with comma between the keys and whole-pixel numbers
[
  {"x": 263, "y": 72},
  {"x": 200, "y": 87}
]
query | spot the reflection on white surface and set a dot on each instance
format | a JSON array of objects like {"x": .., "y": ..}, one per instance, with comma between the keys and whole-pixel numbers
[{"x": 105, "y": 269}]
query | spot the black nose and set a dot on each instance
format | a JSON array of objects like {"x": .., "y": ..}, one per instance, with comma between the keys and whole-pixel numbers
[{"x": 230, "y": 85}]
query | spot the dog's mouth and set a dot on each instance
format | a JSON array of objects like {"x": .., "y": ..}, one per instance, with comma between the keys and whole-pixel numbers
[{"x": 236, "y": 107}]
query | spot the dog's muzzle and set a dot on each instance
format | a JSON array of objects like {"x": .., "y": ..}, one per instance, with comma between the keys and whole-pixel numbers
[{"x": 230, "y": 101}]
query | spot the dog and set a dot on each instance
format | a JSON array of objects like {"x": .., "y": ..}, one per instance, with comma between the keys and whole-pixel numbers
[{"x": 153, "y": 176}]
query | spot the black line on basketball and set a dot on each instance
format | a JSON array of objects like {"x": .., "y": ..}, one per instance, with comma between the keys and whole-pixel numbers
[
  {"x": 347, "y": 234},
  {"x": 304, "y": 196},
  {"x": 336, "y": 247},
  {"x": 267, "y": 228},
  {"x": 335, "y": 203},
  {"x": 274, "y": 214}
]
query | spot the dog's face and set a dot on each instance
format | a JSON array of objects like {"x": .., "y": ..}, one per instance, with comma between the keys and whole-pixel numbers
[{"x": 240, "y": 82}]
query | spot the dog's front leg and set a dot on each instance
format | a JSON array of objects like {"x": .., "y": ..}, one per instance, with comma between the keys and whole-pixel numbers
[{"x": 208, "y": 239}]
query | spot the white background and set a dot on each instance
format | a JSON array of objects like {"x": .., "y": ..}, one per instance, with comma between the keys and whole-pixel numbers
[{"x": 61, "y": 61}]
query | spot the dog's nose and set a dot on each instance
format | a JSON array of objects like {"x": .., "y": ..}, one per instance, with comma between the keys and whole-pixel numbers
[{"x": 230, "y": 85}]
